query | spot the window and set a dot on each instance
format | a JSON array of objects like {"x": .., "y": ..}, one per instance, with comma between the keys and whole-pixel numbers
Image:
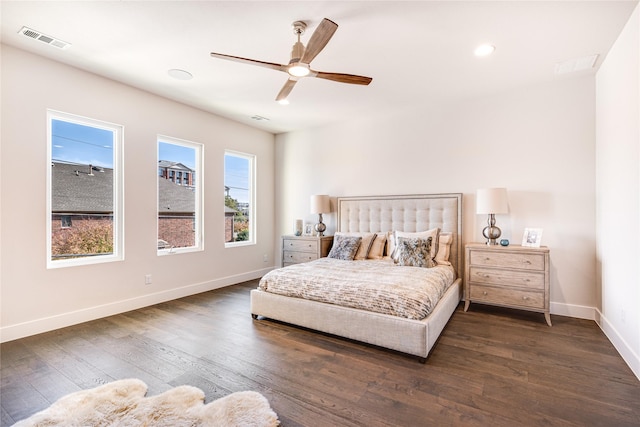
[
  {"x": 84, "y": 191},
  {"x": 179, "y": 196},
  {"x": 239, "y": 198}
]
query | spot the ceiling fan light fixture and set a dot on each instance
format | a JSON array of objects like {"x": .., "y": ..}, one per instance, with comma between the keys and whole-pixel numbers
[{"x": 299, "y": 70}]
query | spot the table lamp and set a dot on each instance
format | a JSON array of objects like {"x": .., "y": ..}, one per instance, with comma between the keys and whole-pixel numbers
[
  {"x": 320, "y": 204},
  {"x": 491, "y": 201}
]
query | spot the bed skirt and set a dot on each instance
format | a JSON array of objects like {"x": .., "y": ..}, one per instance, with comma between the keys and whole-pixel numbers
[{"x": 415, "y": 337}]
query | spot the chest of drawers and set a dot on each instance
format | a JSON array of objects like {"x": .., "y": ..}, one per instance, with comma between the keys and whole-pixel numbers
[
  {"x": 512, "y": 276},
  {"x": 297, "y": 249}
]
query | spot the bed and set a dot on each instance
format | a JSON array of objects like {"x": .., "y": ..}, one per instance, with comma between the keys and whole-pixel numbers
[{"x": 379, "y": 214}]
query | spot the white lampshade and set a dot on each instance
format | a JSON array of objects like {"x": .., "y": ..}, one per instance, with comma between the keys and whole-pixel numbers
[
  {"x": 320, "y": 204},
  {"x": 492, "y": 201}
]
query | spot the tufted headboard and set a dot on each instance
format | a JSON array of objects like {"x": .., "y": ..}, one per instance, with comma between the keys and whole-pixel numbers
[{"x": 410, "y": 213}]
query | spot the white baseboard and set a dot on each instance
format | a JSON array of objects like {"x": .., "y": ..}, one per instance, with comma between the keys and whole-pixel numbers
[
  {"x": 572, "y": 310},
  {"x": 46, "y": 324},
  {"x": 592, "y": 313},
  {"x": 627, "y": 353}
]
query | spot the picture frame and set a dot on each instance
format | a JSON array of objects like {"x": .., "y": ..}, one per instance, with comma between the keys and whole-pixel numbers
[
  {"x": 532, "y": 237},
  {"x": 308, "y": 229}
]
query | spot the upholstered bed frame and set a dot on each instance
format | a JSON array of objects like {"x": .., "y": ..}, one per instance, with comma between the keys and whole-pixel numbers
[{"x": 380, "y": 214}]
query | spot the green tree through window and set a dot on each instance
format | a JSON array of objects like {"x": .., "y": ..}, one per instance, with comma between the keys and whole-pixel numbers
[{"x": 239, "y": 198}]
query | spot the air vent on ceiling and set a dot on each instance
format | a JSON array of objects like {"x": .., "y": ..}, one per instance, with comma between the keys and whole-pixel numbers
[
  {"x": 576, "y": 64},
  {"x": 37, "y": 35}
]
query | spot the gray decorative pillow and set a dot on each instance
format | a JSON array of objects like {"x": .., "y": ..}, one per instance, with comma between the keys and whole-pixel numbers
[
  {"x": 345, "y": 247},
  {"x": 415, "y": 252}
]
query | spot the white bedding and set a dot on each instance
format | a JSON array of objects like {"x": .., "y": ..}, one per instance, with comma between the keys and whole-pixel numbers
[{"x": 374, "y": 285}]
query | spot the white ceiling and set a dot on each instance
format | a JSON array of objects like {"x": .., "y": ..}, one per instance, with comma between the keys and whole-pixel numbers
[{"x": 419, "y": 53}]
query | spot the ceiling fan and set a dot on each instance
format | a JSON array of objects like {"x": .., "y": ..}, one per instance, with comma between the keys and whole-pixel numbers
[{"x": 301, "y": 57}]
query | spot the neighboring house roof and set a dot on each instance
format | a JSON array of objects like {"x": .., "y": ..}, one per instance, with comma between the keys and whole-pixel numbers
[
  {"x": 229, "y": 211},
  {"x": 173, "y": 165},
  {"x": 175, "y": 198},
  {"x": 75, "y": 190}
]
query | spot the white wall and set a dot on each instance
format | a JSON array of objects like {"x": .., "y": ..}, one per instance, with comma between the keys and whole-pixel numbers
[
  {"x": 35, "y": 299},
  {"x": 618, "y": 192},
  {"x": 538, "y": 142}
]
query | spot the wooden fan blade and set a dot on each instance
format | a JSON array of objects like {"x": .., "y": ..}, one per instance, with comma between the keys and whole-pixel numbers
[
  {"x": 286, "y": 89},
  {"x": 343, "y": 78},
  {"x": 273, "y": 66},
  {"x": 319, "y": 40}
]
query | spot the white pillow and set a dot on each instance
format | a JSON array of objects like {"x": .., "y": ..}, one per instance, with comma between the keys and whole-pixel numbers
[
  {"x": 433, "y": 233},
  {"x": 365, "y": 244},
  {"x": 444, "y": 248},
  {"x": 391, "y": 245}
]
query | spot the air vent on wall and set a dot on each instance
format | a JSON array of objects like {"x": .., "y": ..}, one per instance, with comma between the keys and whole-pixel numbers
[{"x": 37, "y": 35}]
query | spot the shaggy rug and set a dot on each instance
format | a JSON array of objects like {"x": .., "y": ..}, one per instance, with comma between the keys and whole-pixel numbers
[{"x": 123, "y": 404}]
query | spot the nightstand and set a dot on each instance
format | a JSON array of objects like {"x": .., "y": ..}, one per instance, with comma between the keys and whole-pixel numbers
[
  {"x": 509, "y": 276},
  {"x": 297, "y": 249}
]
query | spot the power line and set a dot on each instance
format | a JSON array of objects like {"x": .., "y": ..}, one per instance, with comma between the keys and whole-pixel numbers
[
  {"x": 82, "y": 142},
  {"x": 237, "y": 188}
]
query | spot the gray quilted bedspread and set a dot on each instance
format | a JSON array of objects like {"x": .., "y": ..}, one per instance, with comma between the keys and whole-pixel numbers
[{"x": 379, "y": 286}]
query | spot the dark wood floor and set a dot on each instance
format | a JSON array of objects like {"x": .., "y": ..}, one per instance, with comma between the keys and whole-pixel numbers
[{"x": 491, "y": 367}]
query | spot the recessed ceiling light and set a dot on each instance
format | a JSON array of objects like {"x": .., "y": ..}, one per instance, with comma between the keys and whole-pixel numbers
[
  {"x": 180, "y": 74},
  {"x": 484, "y": 50},
  {"x": 283, "y": 102}
]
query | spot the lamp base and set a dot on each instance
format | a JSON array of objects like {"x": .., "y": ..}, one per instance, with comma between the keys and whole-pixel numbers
[
  {"x": 320, "y": 227},
  {"x": 491, "y": 232}
]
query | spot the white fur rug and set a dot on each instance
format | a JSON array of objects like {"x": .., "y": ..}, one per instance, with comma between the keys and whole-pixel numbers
[{"x": 123, "y": 404}]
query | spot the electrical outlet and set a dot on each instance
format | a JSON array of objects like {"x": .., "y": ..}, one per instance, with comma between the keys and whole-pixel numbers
[
  {"x": 265, "y": 258},
  {"x": 147, "y": 279}
]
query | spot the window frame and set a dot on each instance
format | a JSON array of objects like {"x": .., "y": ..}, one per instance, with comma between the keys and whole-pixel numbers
[
  {"x": 118, "y": 190},
  {"x": 252, "y": 158},
  {"x": 198, "y": 220}
]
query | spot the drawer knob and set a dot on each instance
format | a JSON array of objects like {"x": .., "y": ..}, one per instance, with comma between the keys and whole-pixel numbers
[
  {"x": 525, "y": 298},
  {"x": 484, "y": 292},
  {"x": 527, "y": 262}
]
